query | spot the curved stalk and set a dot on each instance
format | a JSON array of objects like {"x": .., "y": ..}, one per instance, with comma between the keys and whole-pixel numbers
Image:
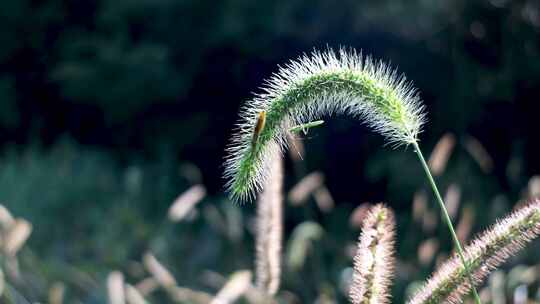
[
  {"x": 447, "y": 220},
  {"x": 323, "y": 84},
  {"x": 303, "y": 91}
]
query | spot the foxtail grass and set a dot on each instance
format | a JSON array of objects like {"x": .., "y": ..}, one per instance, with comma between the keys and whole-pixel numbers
[
  {"x": 16, "y": 236},
  {"x": 269, "y": 233},
  {"x": 302, "y": 91},
  {"x": 374, "y": 260},
  {"x": 133, "y": 296},
  {"x": 237, "y": 285},
  {"x": 185, "y": 203},
  {"x": 325, "y": 83},
  {"x": 488, "y": 251},
  {"x": 161, "y": 274},
  {"x": 115, "y": 288}
]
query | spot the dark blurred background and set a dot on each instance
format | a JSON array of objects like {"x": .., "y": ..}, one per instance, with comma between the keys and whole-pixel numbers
[{"x": 110, "y": 109}]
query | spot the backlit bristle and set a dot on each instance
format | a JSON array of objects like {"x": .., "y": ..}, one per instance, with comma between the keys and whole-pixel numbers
[
  {"x": 302, "y": 91},
  {"x": 487, "y": 252},
  {"x": 374, "y": 260}
]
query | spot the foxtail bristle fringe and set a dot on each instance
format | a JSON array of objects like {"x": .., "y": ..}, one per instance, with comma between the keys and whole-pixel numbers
[
  {"x": 322, "y": 83},
  {"x": 488, "y": 251},
  {"x": 374, "y": 260}
]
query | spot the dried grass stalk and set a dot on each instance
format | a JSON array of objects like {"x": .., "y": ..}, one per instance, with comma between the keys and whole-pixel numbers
[
  {"x": 133, "y": 296},
  {"x": 184, "y": 203},
  {"x": 465, "y": 224},
  {"x": 358, "y": 215},
  {"x": 324, "y": 199},
  {"x": 6, "y": 219},
  {"x": 115, "y": 288},
  {"x": 427, "y": 250},
  {"x": 420, "y": 202},
  {"x": 374, "y": 260},
  {"x": 237, "y": 285},
  {"x": 17, "y": 236},
  {"x": 147, "y": 286},
  {"x": 301, "y": 243},
  {"x": 270, "y": 230},
  {"x": 452, "y": 200},
  {"x": 479, "y": 153},
  {"x": 158, "y": 271},
  {"x": 187, "y": 295},
  {"x": 2, "y": 282},
  {"x": 301, "y": 191},
  {"x": 441, "y": 153},
  {"x": 534, "y": 187}
]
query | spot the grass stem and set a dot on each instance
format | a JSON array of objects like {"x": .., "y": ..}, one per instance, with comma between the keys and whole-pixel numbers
[{"x": 447, "y": 219}]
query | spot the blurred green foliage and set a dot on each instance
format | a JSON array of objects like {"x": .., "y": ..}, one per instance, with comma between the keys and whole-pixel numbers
[{"x": 108, "y": 107}]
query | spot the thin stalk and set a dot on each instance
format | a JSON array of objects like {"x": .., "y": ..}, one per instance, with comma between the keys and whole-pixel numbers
[{"x": 447, "y": 219}]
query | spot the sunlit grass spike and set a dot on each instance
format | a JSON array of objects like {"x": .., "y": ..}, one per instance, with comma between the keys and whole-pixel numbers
[
  {"x": 374, "y": 260},
  {"x": 324, "y": 83}
]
